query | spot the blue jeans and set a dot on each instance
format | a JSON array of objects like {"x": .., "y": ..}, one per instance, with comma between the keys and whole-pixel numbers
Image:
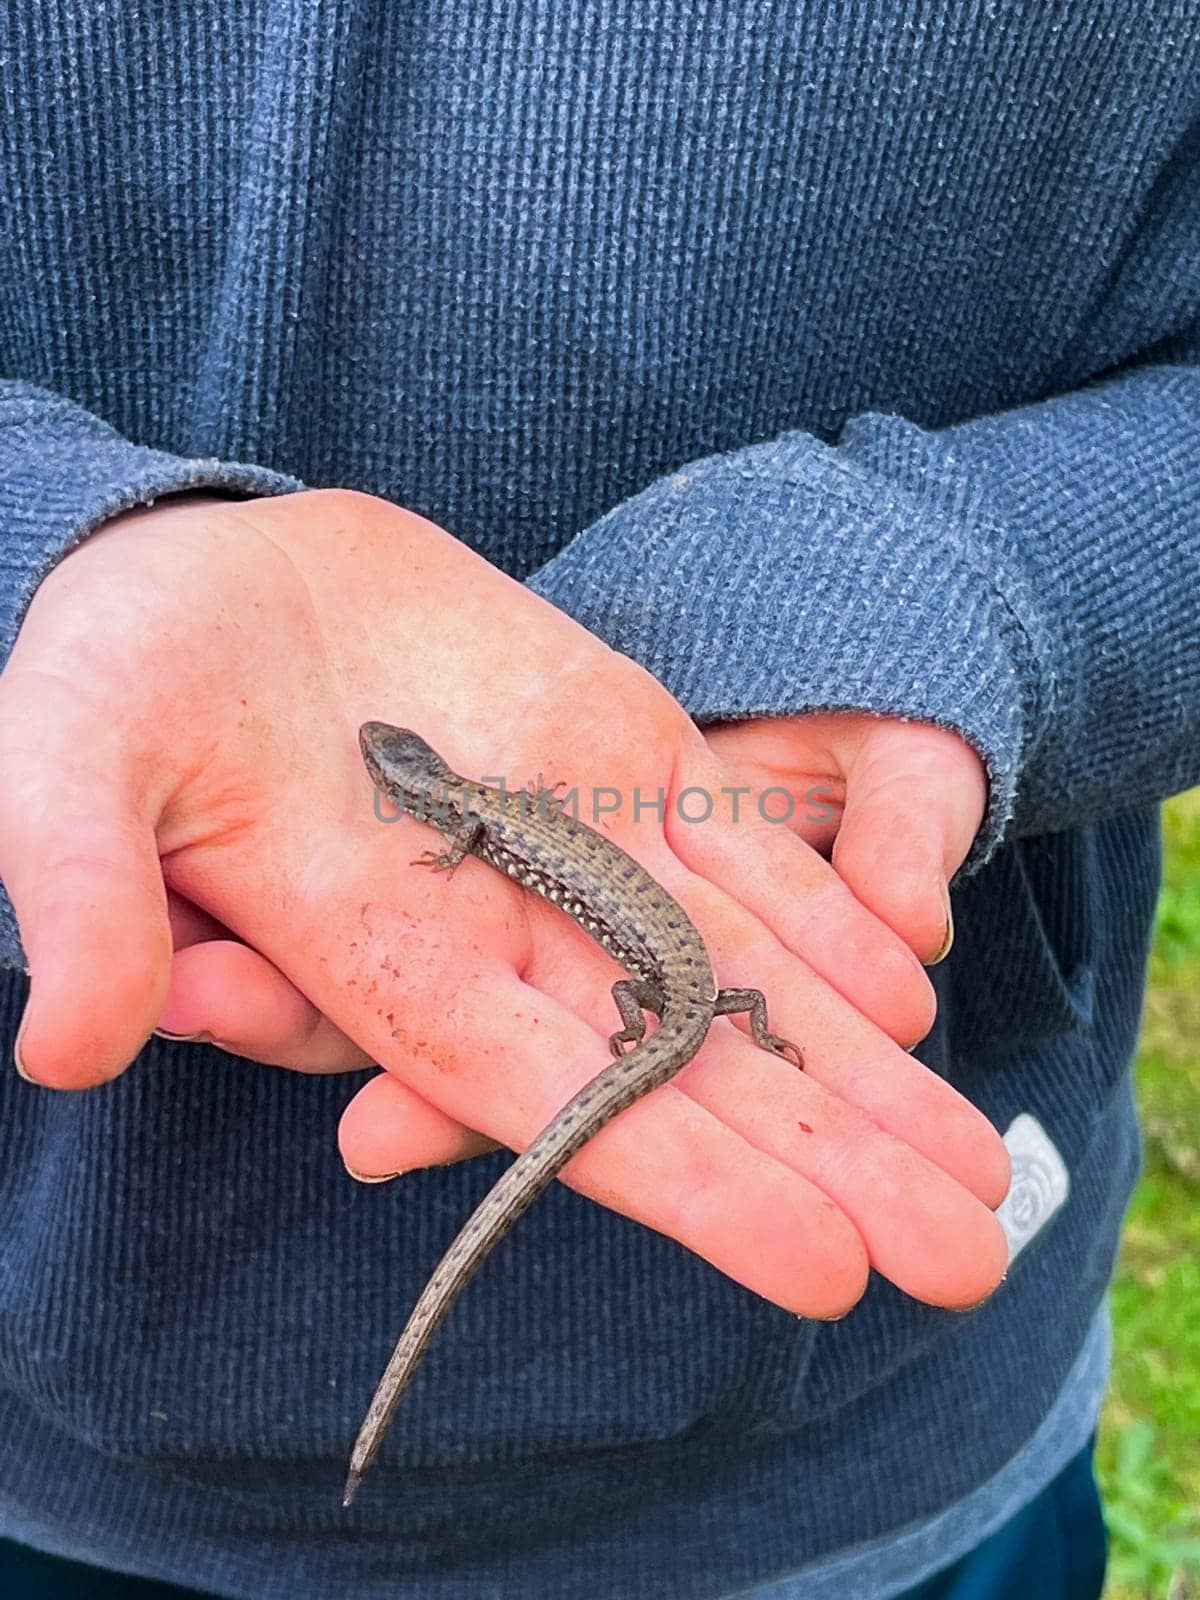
[{"x": 1052, "y": 1550}]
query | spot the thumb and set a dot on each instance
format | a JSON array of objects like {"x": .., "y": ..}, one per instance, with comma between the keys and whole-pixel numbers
[
  {"x": 388, "y": 1129},
  {"x": 915, "y": 797},
  {"x": 79, "y": 860}
]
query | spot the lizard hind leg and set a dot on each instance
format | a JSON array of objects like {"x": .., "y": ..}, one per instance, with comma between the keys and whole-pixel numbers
[
  {"x": 634, "y": 997},
  {"x": 753, "y": 1002}
]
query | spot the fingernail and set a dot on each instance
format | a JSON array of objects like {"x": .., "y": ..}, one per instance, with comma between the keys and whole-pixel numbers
[
  {"x": 17, "y": 1062},
  {"x": 976, "y": 1305},
  {"x": 183, "y": 1038},
  {"x": 948, "y": 941},
  {"x": 374, "y": 1177}
]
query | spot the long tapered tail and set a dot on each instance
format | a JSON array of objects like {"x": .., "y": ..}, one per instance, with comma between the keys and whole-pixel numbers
[{"x": 591, "y": 1108}]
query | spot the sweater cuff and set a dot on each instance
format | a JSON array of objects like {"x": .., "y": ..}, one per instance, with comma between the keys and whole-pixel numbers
[
  {"x": 781, "y": 580},
  {"x": 64, "y": 472}
]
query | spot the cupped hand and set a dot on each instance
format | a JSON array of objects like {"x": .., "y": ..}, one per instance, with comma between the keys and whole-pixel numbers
[
  {"x": 177, "y": 739},
  {"x": 897, "y": 804}
]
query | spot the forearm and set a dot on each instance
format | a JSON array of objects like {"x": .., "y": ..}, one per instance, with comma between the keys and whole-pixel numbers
[
  {"x": 1026, "y": 579},
  {"x": 1085, "y": 511}
]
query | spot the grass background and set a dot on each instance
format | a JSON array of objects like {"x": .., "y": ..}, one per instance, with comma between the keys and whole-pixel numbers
[{"x": 1149, "y": 1452}]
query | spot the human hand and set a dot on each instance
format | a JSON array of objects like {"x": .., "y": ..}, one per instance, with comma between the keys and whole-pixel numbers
[
  {"x": 224, "y": 770},
  {"x": 896, "y": 804}
]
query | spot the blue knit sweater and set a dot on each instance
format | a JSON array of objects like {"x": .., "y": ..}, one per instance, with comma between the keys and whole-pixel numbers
[{"x": 883, "y": 324}]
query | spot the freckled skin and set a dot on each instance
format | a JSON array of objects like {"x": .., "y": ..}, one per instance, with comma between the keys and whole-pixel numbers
[{"x": 625, "y": 910}]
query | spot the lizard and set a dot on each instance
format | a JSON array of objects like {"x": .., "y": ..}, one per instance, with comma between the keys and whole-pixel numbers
[{"x": 539, "y": 845}]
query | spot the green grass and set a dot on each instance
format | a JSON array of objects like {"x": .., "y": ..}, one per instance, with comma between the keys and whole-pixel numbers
[{"x": 1149, "y": 1455}]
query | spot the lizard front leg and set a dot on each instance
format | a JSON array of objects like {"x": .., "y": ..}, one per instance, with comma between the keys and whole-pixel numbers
[{"x": 461, "y": 843}]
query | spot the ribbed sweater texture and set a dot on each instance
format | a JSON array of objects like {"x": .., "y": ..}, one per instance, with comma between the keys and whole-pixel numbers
[{"x": 815, "y": 353}]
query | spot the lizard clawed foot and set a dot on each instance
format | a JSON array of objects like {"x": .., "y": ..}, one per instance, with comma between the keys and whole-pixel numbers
[
  {"x": 785, "y": 1048},
  {"x": 541, "y": 796},
  {"x": 437, "y": 861},
  {"x": 628, "y": 1036}
]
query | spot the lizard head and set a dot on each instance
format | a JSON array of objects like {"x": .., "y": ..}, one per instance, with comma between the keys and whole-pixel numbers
[{"x": 408, "y": 770}]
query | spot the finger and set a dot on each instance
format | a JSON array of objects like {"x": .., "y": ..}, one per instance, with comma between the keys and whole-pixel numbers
[
  {"x": 389, "y": 1128},
  {"x": 78, "y": 857},
  {"x": 853, "y": 1060},
  {"x": 780, "y": 760},
  {"x": 767, "y": 869},
  {"x": 915, "y": 798},
  {"x": 506, "y": 1057},
  {"x": 189, "y": 924},
  {"x": 914, "y": 1165},
  {"x": 923, "y": 1230},
  {"x": 224, "y": 992}
]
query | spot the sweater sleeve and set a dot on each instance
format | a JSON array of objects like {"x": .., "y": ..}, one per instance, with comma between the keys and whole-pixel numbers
[
  {"x": 1029, "y": 578},
  {"x": 62, "y": 473}
]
